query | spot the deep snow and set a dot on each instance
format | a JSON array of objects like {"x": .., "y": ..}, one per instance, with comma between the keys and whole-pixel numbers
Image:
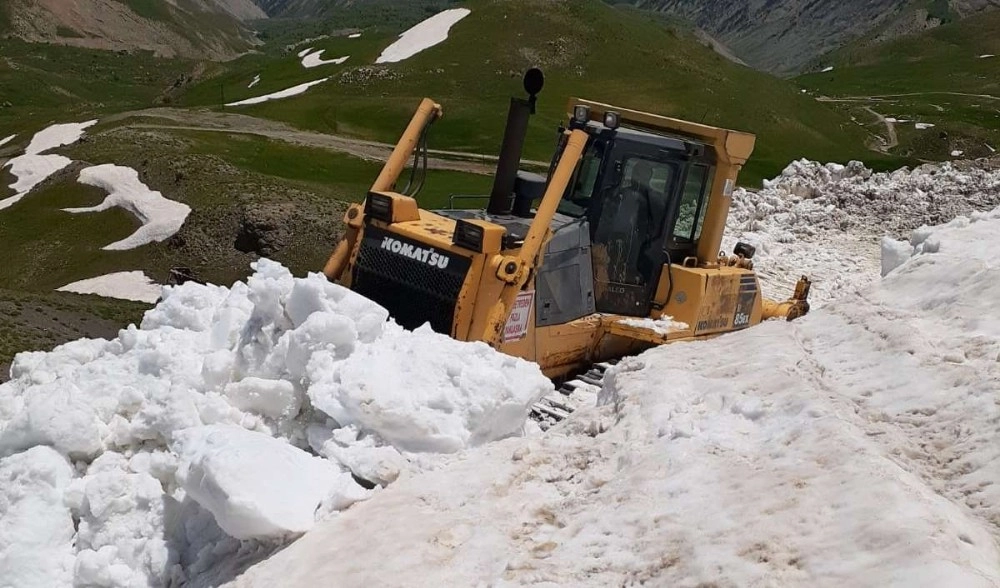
[
  {"x": 424, "y": 35},
  {"x": 857, "y": 446},
  {"x": 200, "y": 427},
  {"x": 134, "y": 285},
  {"x": 161, "y": 218}
]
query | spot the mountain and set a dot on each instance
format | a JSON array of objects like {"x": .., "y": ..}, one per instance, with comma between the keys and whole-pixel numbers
[
  {"x": 200, "y": 29},
  {"x": 783, "y": 36}
]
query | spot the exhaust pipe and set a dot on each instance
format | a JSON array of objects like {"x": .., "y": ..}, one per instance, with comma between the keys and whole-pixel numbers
[{"x": 513, "y": 143}]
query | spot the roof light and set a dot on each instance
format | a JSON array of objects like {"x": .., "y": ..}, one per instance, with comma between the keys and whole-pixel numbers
[
  {"x": 581, "y": 113},
  {"x": 611, "y": 120}
]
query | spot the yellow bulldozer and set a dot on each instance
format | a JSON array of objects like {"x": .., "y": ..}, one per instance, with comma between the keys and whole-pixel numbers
[{"x": 616, "y": 249}]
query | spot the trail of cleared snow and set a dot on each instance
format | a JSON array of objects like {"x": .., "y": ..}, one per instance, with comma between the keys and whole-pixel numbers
[
  {"x": 423, "y": 36},
  {"x": 134, "y": 285},
  {"x": 33, "y": 168},
  {"x": 160, "y": 217},
  {"x": 286, "y": 93},
  {"x": 857, "y": 446},
  {"x": 316, "y": 59}
]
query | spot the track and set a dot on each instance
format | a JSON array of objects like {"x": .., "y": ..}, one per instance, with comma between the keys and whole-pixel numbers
[{"x": 575, "y": 393}]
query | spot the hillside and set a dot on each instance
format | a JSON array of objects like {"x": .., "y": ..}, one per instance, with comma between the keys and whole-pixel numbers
[
  {"x": 203, "y": 29},
  {"x": 943, "y": 79},
  {"x": 582, "y": 47},
  {"x": 784, "y": 36}
]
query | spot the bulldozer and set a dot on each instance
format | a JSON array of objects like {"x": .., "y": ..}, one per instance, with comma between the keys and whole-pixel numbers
[{"x": 614, "y": 250}]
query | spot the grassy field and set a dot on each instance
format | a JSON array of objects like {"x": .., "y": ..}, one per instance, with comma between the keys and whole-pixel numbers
[
  {"x": 586, "y": 48},
  {"x": 937, "y": 77}
]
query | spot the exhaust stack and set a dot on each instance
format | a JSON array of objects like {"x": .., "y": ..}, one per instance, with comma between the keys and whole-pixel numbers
[{"x": 513, "y": 143}]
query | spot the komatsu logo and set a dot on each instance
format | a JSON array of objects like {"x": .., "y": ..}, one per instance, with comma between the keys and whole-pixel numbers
[{"x": 427, "y": 256}]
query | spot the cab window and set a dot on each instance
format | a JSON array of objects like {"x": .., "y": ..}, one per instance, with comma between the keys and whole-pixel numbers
[
  {"x": 582, "y": 189},
  {"x": 691, "y": 209}
]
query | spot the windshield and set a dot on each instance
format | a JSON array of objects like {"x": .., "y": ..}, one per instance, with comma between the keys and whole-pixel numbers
[{"x": 577, "y": 201}]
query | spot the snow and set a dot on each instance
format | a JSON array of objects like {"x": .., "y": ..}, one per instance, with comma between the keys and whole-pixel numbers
[
  {"x": 6, "y": 140},
  {"x": 423, "y": 36},
  {"x": 827, "y": 221},
  {"x": 315, "y": 59},
  {"x": 305, "y": 52},
  {"x": 134, "y": 285},
  {"x": 956, "y": 153},
  {"x": 286, "y": 93},
  {"x": 200, "y": 441},
  {"x": 220, "y": 467},
  {"x": 661, "y": 326},
  {"x": 855, "y": 446},
  {"x": 922, "y": 126},
  {"x": 354, "y": 36},
  {"x": 256, "y": 80},
  {"x": 161, "y": 218},
  {"x": 33, "y": 168},
  {"x": 986, "y": 56},
  {"x": 826, "y": 69}
]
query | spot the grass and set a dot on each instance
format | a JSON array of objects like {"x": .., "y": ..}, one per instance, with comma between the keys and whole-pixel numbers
[
  {"x": 935, "y": 68},
  {"x": 599, "y": 52}
]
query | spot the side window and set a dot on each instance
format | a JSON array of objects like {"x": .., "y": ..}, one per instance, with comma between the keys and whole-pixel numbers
[
  {"x": 704, "y": 202},
  {"x": 691, "y": 212},
  {"x": 581, "y": 191}
]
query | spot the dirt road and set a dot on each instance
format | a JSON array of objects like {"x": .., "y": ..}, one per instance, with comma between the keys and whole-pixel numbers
[{"x": 227, "y": 122}]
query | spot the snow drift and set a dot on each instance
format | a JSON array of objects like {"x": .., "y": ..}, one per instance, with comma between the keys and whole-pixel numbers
[
  {"x": 856, "y": 446},
  {"x": 202, "y": 427}
]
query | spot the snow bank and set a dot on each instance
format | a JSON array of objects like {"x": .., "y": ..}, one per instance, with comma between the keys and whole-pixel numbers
[
  {"x": 423, "y": 36},
  {"x": 316, "y": 59},
  {"x": 33, "y": 168},
  {"x": 134, "y": 285},
  {"x": 827, "y": 221},
  {"x": 195, "y": 428},
  {"x": 161, "y": 218},
  {"x": 287, "y": 93},
  {"x": 856, "y": 446}
]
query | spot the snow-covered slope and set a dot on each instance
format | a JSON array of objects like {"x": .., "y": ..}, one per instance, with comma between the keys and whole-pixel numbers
[{"x": 858, "y": 446}]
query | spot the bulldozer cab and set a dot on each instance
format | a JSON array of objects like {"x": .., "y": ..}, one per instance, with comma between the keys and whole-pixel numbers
[{"x": 644, "y": 197}]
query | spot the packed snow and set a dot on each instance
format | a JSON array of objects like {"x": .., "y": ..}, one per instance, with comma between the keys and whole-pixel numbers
[
  {"x": 254, "y": 82},
  {"x": 6, "y": 140},
  {"x": 286, "y": 93},
  {"x": 33, "y": 168},
  {"x": 661, "y": 326},
  {"x": 857, "y": 446},
  {"x": 423, "y": 36},
  {"x": 161, "y": 218},
  {"x": 227, "y": 423},
  {"x": 826, "y": 221},
  {"x": 315, "y": 59},
  {"x": 134, "y": 285}
]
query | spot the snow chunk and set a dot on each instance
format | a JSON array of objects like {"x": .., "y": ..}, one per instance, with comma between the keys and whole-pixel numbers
[
  {"x": 894, "y": 254},
  {"x": 661, "y": 326},
  {"x": 287, "y": 93},
  {"x": 423, "y": 36},
  {"x": 36, "y": 528},
  {"x": 161, "y": 218},
  {"x": 255, "y": 485},
  {"x": 957, "y": 153},
  {"x": 57, "y": 136},
  {"x": 422, "y": 391},
  {"x": 315, "y": 60},
  {"x": 256, "y": 80},
  {"x": 6, "y": 140},
  {"x": 134, "y": 285}
]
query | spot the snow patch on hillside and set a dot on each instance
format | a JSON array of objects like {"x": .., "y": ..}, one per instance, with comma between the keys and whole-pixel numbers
[
  {"x": 254, "y": 82},
  {"x": 282, "y": 94},
  {"x": 423, "y": 36},
  {"x": 161, "y": 218},
  {"x": 315, "y": 59},
  {"x": 194, "y": 436},
  {"x": 57, "y": 136},
  {"x": 134, "y": 285},
  {"x": 6, "y": 140},
  {"x": 855, "y": 446},
  {"x": 33, "y": 168}
]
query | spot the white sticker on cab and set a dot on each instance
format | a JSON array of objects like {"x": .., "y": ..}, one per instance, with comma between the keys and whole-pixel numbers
[{"x": 517, "y": 323}]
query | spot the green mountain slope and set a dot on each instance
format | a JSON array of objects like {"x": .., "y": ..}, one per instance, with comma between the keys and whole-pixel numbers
[
  {"x": 940, "y": 77},
  {"x": 586, "y": 48}
]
